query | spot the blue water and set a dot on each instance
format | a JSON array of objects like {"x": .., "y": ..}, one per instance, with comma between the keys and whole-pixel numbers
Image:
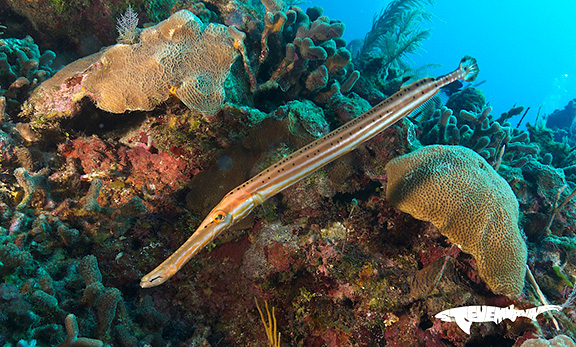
[{"x": 526, "y": 50}]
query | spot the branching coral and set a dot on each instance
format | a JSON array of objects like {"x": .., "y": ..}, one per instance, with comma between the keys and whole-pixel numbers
[
  {"x": 396, "y": 32},
  {"x": 73, "y": 340},
  {"x": 91, "y": 199},
  {"x": 29, "y": 183},
  {"x": 315, "y": 58},
  {"x": 22, "y": 68},
  {"x": 104, "y": 300},
  {"x": 269, "y": 325},
  {"x": 127, "y": 27},
  {"x": 480, "y": 132}
]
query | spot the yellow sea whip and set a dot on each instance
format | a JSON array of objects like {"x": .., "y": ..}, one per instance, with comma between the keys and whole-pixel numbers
[{"x": 239, "y": 202}]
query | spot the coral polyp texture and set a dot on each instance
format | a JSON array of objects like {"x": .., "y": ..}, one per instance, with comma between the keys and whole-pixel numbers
[
  {"x": 181, "y": 56},
  {"x": 464, "y": 197}
]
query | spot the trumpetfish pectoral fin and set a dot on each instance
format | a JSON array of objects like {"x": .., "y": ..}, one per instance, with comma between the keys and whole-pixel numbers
[{"x": 240, "y": 201}]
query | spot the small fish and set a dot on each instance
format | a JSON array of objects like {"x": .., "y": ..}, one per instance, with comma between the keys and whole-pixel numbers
[{"x": 466, "y": 315}]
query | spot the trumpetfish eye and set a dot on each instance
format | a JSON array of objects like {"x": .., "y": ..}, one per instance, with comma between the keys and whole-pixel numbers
[{"x": 219, "y": 217}]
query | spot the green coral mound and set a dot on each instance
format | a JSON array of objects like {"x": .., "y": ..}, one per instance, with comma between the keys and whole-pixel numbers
[{"x": 464, "y": 197}]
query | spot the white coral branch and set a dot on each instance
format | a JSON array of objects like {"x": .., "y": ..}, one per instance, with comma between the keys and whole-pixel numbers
[{"x": 127, "y": 27}]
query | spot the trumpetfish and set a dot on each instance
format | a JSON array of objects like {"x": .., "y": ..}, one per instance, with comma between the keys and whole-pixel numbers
[{"x": 240, "y": 201}]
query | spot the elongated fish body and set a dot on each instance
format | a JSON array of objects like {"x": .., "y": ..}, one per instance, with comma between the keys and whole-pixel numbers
[
  {"x": 239, "y": 202},
  {"x": 466, "y": 315}
]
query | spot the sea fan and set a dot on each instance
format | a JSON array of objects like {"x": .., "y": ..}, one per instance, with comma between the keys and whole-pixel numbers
[{"x": 396, "y": 32}]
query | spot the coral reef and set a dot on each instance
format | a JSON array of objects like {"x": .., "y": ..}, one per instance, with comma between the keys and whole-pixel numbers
[
  {"x": 469, "y": 99},
  {"x": 315, "y": 61},
  {"x": 78, "y": 24},
  {"x": 560, "y": 340},
  {"x": 90, "y": 201}
]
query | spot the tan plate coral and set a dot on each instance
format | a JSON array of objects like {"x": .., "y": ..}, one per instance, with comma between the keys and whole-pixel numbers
[
  {"x": 180, "y": 56},
  {"x": 464, "y": 197}
]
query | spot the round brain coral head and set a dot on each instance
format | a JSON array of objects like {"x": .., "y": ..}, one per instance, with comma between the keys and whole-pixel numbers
[{"x": 464, "y": 197}]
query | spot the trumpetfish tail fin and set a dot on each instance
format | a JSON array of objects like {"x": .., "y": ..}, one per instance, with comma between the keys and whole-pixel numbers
[{"x": 469, "y": 68}]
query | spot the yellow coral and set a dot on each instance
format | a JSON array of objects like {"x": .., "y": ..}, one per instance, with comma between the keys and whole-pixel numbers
[
  {"x": 464, "y": 197},
  {"x": 269, "y": 325}
]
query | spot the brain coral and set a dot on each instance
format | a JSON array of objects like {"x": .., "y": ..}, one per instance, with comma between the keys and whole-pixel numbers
[{"x": 464, "y": 197}]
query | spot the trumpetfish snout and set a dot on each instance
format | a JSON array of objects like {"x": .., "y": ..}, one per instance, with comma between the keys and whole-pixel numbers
[{"x": 239, "y": 202}]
